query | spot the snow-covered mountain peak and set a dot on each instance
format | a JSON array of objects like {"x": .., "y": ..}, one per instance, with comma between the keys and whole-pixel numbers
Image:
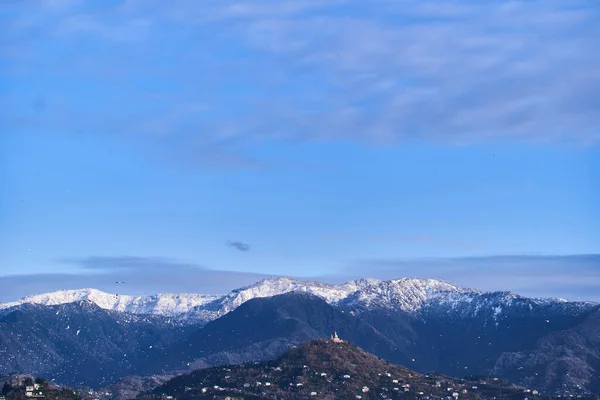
[
  {"x": 64, "y": 297},
  {"x": 276, "y": 286},
  {"x": 406, "y": 294},
  {"x": 159, "y": 304},
  {"x": 402, "y": 294}
]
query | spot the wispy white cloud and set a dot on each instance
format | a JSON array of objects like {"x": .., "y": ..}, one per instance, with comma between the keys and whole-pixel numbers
[
  {"x": 127, "y": 263},
  {"x": 380, "y": 72},
  {"x": 412, "y": 239}
]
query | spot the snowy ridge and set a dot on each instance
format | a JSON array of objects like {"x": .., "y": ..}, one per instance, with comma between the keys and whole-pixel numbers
[
  {"x": 403, "y": 294},
  {"x": 333, "y": 294},
  {"x": 408, "y": 295},
  {"x": 272, "y": 287},
  {"x": 159, "y": 304}
]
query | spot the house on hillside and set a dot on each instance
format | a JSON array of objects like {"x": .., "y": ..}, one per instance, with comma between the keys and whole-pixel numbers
[{"x": 34, "y": 391}]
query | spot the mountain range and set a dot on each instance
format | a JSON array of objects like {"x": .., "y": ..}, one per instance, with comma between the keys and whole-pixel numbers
[{"x": 91, "y": 338}]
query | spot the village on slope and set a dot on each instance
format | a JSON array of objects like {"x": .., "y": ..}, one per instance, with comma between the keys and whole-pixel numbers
[{"x": 331, "y": 369}]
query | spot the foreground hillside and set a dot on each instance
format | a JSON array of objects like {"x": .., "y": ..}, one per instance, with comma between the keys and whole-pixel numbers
[
  {"x": 79, "y": 344},
  {"x": 326, "y": 369},
  {"x": 14, "y": 387}
]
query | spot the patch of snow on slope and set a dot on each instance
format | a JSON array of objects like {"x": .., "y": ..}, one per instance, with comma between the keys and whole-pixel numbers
[{"x": 497, "y": 312}]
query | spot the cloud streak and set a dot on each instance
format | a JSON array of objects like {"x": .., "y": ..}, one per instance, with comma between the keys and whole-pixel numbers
[
  {"x": 411, "y": 239},
  {"x": 575, "y": 277},
  {"x": 142, "y": 264}
]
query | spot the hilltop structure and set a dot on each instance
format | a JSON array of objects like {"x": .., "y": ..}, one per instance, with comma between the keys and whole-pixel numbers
[{"x": 335, "y": 338}]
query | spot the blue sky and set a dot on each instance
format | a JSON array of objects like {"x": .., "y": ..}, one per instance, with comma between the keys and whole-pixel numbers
[{"x": 324, "y": 140}]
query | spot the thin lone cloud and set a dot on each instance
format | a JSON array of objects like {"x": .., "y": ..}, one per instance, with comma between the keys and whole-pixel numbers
[
  {"x": 126, "y": 262},
  {"x": 241, "y": 246}
]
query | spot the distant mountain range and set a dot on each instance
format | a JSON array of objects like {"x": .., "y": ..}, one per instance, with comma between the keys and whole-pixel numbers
[
  {"x": 90, "y": 338},
  {"x": 408, "y": 295}
]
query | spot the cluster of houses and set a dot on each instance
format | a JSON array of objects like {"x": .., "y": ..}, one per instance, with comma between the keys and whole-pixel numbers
[
  {"x": 34, "y": 391},
  {"x": 453, "y": 392}
]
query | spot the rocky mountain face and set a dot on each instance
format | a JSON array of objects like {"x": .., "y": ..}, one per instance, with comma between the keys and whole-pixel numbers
[
  {"x": 329, "y": 369},
  {"x": 426, "y": 325}
]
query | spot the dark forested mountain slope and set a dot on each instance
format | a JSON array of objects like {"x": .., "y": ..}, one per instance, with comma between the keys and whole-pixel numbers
[
  {"x": 266, "y": 327},
  {"x": 562, "y": 361},
  {"x": 79, "y": 343}
]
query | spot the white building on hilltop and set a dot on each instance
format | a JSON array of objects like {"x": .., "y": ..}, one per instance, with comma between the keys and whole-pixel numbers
[{"x": 335, "y": 338}]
